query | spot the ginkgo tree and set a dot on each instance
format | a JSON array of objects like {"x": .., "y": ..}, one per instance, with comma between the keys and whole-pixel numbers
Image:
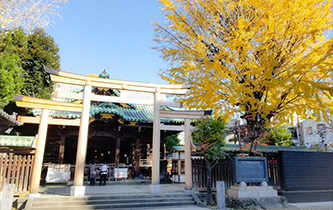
[
  {"x": 27, "y": 14},
  {"x": 262, "y": 58}
]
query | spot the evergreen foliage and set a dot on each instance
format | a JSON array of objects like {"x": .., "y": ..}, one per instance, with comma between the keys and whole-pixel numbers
[
  {"x": 209, "y": 138},
  {"x": 11, "y": 71},
  {"x": 41, "y": 51},
  {"x": 278, "y": 136},
  {"x": 22, "y": 59},
  {"x": 171, "y": 141}
]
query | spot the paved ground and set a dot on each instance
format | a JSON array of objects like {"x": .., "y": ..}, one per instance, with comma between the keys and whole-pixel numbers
[
  {"x": 114, "y": 188},
  {"x": 144, "y": 188},
  {"x": 308, "y": 196}
]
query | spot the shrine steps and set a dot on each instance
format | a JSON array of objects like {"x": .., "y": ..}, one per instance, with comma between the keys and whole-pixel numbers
[{"x": 129, "y": 201}]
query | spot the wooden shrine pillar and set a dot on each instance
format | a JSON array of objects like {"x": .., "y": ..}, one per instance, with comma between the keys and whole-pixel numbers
[
  {"x": 61, "y": 149},
  {"x": 137, "y": 154},
  {"x": 117, "y": 153},
  {"x": 163, "y": 147},
  {"x": 39, "y": 154},
  {"x": 78, "y": 189}
]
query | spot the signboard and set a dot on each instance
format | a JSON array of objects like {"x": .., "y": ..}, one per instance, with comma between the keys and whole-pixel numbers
[
  {"x": 120, "y": 173},
  {"x": 250, "y": 169},
  {"x": 58, "y": 173}
]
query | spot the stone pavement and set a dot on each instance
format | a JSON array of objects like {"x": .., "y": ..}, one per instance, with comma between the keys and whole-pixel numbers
[
  {"x": 122, "y": 187},
  {"x": 109, "y": 188}
]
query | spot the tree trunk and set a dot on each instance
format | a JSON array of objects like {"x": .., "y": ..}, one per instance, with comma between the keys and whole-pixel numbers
[
  {"x": 255, "y": 129},
  {"x": 209, "y": 183}
]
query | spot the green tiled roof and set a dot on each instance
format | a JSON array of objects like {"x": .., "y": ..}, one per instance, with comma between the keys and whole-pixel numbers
[
  {"x": 267, "y": 149},
  {"x": 261, "y": 148},
  {"x": 17, "y": 141},
  {"x": 140, "y": 113},
  {"x": 135, "y": 112},
  {"x": 180, "y": 148}
]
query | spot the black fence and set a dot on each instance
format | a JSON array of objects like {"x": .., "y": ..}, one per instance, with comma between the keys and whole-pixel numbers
[
  {"x": 306, "y": 171},
  {"x": 223, "y": 171}
]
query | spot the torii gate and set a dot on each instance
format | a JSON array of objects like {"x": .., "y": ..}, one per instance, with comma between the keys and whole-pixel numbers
[
  {"x": 45, "y": 105},
  {"x": 88, "y": 82},
  {"x": 187, "y": 116}
]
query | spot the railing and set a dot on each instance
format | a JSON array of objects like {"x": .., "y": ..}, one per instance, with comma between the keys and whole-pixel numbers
[{"x": 16, "y": 169}]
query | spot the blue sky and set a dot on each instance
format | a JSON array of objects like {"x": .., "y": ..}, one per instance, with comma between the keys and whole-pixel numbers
[{"x": 115, "y": 35}]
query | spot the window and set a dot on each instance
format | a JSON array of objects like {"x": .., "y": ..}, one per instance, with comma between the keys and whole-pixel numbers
[
  {"x": 321, "y": 127},
  {"x": 308, "y": 131}
]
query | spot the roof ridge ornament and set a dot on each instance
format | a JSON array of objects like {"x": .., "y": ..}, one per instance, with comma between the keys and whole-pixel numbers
[{"x": 104, "y": 74}]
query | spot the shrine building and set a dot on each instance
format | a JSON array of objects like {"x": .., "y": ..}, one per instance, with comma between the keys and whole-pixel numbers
[{"x": 120, "y": 134}]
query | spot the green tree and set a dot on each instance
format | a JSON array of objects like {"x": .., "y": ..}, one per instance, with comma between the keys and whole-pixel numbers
[
  {"x": 23, "y": 57},
  {"x": 11, "y": 77},
  {"x": 11, "y": 72},
  {"x": 278, "y": 136},
  {"x": 41, "y": 51},
  {"x": 171, "y": 141},
  {"x": 209, "y": 139}
]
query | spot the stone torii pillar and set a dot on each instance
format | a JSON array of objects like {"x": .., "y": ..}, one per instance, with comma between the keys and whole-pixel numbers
[
  {"x": 188, "y": 159},
  {"x": 78, "y": 189},
  {"x": 155, "y": 186},
  {"x": 39, "y": 154},
  {"x": 187, "y": 116},
  {"x": 45, "y": 105}
]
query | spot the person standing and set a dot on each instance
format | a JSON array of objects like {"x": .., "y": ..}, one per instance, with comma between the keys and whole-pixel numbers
[
  {"x": 103, "y": 173},
  {"x": 93, "y": 173}
]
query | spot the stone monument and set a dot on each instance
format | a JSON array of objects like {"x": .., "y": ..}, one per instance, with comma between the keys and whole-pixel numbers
[{"x": 251, "y": 189}]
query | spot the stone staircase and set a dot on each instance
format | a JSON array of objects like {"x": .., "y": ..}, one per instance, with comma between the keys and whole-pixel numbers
[{"x": 132, "y": 201}]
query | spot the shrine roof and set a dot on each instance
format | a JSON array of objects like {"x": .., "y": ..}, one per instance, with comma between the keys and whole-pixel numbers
[
  {"x": 7, "y": 119},
  {"x": 179, "y": 148},
  {"x": 17, "y": 141},
  {"x": 261, "y": 148},
  {"x": 127, "y": 112},
  {"x": 267, "y": 149}
]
